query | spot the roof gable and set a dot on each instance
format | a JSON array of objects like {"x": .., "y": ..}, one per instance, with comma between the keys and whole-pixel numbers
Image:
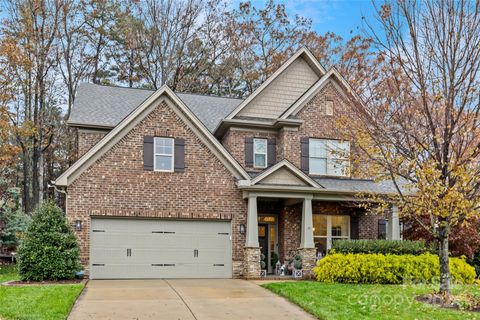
[
  {"x": 332, "y": 76},
  {"x": 283, "y": 88},
  {"x": 284, "y": 173},
  {"x": 135, "y": 117}
]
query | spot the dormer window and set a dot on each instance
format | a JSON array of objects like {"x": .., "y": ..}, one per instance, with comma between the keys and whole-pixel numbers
[
  {"x": 260, "y": 153},
  {"x": 329, "y": 157}
]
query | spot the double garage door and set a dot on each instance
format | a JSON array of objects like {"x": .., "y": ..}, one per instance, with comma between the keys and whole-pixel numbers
[{"x": 136, "y": 249}]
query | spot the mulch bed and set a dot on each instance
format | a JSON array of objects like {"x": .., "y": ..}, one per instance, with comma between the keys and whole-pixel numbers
[
  {"x": 40, "y": 283},
  {"x": 440, "y": 301}
]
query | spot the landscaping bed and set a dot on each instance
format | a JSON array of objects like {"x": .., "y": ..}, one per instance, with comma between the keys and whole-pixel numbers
[
  {"x": 40, "y": 301},
  {"x": 370, "y": 301}
]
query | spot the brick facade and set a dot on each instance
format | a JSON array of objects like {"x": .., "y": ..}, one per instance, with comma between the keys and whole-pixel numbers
[
  {"x": 87, "y": 139},
  {"x": 117, "y": 185}
]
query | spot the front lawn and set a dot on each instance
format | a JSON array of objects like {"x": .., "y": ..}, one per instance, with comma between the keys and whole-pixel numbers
[
  {"x": 35, "y": 302},
  {"x": 360, "y": 301}
]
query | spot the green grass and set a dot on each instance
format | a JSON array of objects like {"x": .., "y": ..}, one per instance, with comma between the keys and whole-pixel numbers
[
  {"x": 346, "y": 301},
  {"x": 35, "y": 302}
]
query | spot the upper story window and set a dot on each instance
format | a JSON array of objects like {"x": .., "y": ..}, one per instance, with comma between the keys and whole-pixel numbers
[
  {"x": 259, "y": 153},
  {"x": 163, "y": 154},
  {"x": 329, "y": 157}
]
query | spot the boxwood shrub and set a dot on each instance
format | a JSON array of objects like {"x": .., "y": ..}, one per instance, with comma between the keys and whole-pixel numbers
[
  {"x": 49, "y": 249},
  {"x": 388, "y": 269},
  {"x": 380, "y": 246}
]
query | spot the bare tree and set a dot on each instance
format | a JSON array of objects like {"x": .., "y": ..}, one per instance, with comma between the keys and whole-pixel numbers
[{"x": 420, "y": 120}]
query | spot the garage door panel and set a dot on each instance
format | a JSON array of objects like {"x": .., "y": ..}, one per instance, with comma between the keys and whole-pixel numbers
[{"x": 160, "y": 249}]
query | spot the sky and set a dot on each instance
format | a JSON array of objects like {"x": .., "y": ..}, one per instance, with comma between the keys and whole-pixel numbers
[{"x": 340, "y": 16}]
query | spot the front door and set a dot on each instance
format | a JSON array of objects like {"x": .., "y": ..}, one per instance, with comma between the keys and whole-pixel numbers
[{"x": 263, "y": 241}]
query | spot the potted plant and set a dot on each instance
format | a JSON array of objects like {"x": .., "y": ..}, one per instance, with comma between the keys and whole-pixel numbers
[
  {"x": 297, "y": 266},
  {"x": 263, "y": 266}
]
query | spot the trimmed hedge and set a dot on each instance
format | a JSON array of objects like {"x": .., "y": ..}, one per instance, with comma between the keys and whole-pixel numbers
[
  {"x": 388, "y": 269},
  {"x": 380, "y": 246},
  {"x": 49, "y": 250}
]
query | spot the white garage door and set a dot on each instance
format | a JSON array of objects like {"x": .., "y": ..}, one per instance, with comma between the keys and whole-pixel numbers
[{"x": 135, "y": 248}]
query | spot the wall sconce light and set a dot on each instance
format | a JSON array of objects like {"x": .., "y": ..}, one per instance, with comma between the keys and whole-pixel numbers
[
  {"x": 242, "y": 229},
  {"x": 78, "y": 225}
]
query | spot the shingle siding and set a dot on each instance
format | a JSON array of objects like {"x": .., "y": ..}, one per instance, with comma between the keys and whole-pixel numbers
[{"x": 282, "y": 92}]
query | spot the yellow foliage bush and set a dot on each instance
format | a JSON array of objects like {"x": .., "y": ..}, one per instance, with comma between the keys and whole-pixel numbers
[{"x": 388, "y": 268}]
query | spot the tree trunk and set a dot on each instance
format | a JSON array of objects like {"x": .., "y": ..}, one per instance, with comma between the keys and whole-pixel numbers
[{"x": 444, "y": 264}]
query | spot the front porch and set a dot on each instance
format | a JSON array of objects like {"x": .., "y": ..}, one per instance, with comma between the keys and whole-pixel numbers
[{"x": 282, "y": 225}]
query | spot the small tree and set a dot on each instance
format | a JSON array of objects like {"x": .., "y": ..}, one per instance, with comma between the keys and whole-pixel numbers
[{"x": 49, "y": 250}]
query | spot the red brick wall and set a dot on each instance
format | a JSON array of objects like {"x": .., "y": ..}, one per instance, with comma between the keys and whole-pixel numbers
[
  {"x": 234, "y": 142},
  {"x": 316, "y": 124},
  {"x": 87, "y": 139},
  {"x": 117, "y": 184}
]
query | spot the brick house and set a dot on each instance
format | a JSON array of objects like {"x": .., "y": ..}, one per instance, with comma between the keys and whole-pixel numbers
[{"x": 183, "y": 185}]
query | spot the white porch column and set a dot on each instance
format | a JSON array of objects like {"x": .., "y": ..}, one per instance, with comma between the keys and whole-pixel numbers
[
  {"x": 252, "y": 223},
  {"x": 307, "y": 224},
  {"x": 393, "y": 230}
]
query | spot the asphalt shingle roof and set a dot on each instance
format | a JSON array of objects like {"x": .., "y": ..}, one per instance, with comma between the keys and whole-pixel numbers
[
  {"x": 106, "y": 106},
  {"x": 357, "y": 185}
]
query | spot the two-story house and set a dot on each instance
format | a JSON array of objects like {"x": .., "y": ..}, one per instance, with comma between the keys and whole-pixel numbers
[{"x": 177, "y": 185}]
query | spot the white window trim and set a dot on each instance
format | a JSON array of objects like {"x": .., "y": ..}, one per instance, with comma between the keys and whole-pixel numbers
[
  {"x": 330, "y": 158},
  {"x": 155, "y": 154},
  {"x": 329, "y": 236},
  {"x": 266, "y": 153}
]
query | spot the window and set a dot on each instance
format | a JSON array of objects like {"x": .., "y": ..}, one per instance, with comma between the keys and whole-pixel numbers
[
  {"x": 329, "y": 108},
  {"x": 260, "y": 153},
  {"x": 329, "y": 157},
  {"x": 163, "y": 154},
  {"x": 327, "y": 229}
]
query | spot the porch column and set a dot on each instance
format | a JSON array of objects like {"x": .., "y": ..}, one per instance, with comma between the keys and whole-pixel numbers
[
  {"x": 307, "y": 224},
  {"x": 393, "y": 230},
  {"x": 252, "y": 223}
]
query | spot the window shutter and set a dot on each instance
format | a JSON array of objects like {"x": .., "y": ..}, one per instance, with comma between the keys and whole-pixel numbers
[
  {"x": 304, "y": 152},
  {"x": 272, "y": 151},
  {"x": 179, "y": 155},
  {"x": 354, "y": 228},
  {"x": 148, "y": 153},
  {"x": 248, "y": 151}
]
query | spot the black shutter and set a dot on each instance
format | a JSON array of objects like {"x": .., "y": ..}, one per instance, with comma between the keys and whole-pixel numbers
[
  {"x": 382, "y": 229},
  {"x": 148, "y": 153},
  {"x": 179, "y": 158},
  {"x": 248, "y": 151},
  {"x": 354, "y": 228},
  {"x": 272, "y": 151},
  {"x": 304, "y": 153}
]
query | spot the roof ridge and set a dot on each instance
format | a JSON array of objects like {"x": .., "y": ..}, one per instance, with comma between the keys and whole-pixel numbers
[
  {"x": 207, "y": 95},
  {"x": 115, "y": 86},
  {"x": 153, "y": 90}
]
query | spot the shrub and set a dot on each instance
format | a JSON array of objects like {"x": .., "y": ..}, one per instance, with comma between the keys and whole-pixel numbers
[
  {"x": 388, "y": 269},
  {"x": 49, "y": 250},
  {"x": 380, "y": 246}
]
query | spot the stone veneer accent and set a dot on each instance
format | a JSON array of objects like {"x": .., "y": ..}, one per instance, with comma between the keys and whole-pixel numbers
[
  {"x": 309, "y": 260},
  {"x": 116, "y": 185},
  {"x": 251, "y": 263}
]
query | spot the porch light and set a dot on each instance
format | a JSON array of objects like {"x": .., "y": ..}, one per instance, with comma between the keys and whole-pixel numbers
[
  {"x": 78, "y": 225},
  {"x": 242, "y": 229}
]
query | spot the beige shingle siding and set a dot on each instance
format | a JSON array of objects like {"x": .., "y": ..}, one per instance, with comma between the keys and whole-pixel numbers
[
  {"x": 282, "y": 92},
  {"x": 284, "y": 177}
]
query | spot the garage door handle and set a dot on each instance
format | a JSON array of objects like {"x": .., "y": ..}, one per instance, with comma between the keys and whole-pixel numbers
[
  {"x": 129, "y": 252},
  {"x": 195, "y": 253}
]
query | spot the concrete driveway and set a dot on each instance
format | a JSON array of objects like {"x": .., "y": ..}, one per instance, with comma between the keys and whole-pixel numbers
[{"x": 181, "y": 299}]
